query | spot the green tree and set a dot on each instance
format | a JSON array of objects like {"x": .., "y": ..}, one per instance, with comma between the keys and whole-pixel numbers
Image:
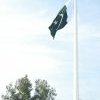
[
  {"x": 11, "y": 93},
  {"x": 43, "y": 91},
  {"x": 23, "y": 88}
]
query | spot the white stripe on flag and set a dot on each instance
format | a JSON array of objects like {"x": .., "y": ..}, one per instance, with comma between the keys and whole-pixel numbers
[{"x": 70, "y": 9}]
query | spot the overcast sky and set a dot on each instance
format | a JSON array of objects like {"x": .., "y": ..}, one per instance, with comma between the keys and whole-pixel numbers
[{"x": 26, "y": 46}]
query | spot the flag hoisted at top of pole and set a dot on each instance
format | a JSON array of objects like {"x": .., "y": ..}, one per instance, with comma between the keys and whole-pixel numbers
[{"x": 62, "y": 18}]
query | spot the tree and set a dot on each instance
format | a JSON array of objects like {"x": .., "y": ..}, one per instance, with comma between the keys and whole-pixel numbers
[
  {"x": 23, "y": 88},
  {"x": 43, "y": 91},
  {"x": 11, "y": 93}
]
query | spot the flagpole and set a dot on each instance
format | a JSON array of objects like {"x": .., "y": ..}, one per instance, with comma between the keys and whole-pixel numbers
[{"x": 75, "y": 69}]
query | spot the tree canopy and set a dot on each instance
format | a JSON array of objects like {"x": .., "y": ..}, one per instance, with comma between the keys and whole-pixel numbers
[{"x": 22, "y": 90}]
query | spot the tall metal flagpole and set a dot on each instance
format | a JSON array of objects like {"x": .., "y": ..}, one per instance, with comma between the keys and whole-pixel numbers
[
  {"x": 75, "y": 64},
  {"x": 75, "y": 69}
]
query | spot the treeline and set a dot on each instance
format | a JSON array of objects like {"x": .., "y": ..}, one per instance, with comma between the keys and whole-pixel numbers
[{"x": 23, "y": 89}]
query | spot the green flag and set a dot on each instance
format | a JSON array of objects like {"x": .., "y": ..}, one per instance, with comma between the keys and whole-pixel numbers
[{"x": 59, "y": 22}]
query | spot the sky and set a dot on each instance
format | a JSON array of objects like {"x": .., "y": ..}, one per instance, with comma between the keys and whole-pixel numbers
[{"x": 26, "y": 46}]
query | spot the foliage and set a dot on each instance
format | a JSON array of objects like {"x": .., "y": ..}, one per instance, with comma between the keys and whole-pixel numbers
[
  {"x": 23, "y": 88},
  {"x": 43, "y": 90}
]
